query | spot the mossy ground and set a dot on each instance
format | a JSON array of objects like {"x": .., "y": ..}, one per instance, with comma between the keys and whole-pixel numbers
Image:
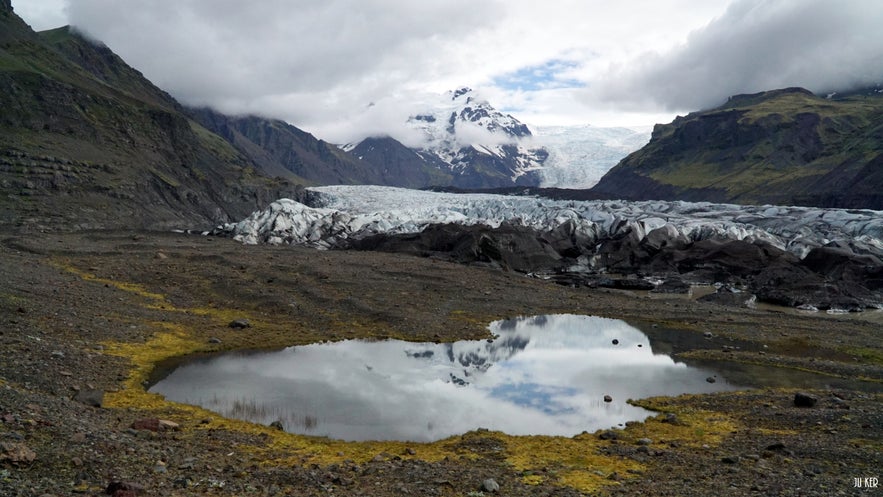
[
  {"x": 571, "y": 461},
  {"x": 117, "y": 304}
]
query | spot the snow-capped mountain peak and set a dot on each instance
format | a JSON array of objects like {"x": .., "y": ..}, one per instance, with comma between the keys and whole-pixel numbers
[
  {"x": 466, "y": 132},
  {"x": 463, "y": 120},
  {"x": 459, "y": 139}
]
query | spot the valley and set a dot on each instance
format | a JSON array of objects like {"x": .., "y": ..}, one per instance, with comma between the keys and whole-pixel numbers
[{"x": 137, "y": 233}]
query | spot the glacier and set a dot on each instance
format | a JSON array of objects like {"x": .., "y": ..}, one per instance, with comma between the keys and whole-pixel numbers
[
  {"x": 336, "y": 213},
  {"x": 580, "y": 155}
]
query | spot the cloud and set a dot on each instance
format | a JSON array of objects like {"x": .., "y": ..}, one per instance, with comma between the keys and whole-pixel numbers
[
  {"x": 42, "y": 14},
  {"x": 318, "y": 64},
  {"x": 756, "y": 45},
  {"x": 238, "y": 54}
]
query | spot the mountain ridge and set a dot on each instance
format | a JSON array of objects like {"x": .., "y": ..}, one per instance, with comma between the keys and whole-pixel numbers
[
  {"x": 786, "y": 146},
  {"x": 86, "y": 142}
]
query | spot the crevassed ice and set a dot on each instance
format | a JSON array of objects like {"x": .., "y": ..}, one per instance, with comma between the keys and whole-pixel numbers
[{"x": 341, "y": 212}]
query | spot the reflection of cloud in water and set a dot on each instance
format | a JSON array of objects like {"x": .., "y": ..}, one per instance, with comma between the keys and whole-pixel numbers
[{"x": 541, "y": 375}]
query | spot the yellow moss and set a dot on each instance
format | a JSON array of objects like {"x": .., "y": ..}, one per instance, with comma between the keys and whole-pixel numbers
[
  {"x": 172, "y": 342},
  {"x": 874, "y": 445},
  {"x": 12, "y": 299},
  {"x": 126, "y": 287},
  {"x": 693, "y": 428},
  {"x": 770, "y": 432},
  {"x": 532, "y": 479},
  {"x": 575, "y": 462}
]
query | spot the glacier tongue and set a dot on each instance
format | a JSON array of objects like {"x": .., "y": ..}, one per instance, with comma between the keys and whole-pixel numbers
[{"x": 341, "y": 212}]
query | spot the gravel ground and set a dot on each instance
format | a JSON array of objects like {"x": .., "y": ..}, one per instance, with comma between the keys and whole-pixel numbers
[{"x": 84, "y": 316}]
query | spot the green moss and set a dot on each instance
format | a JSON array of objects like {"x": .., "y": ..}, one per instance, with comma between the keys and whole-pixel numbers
[
  {"x": 215, "y": 143},
  {"x": 867, "y": 354},
  {"x": 165, "y": 178}
]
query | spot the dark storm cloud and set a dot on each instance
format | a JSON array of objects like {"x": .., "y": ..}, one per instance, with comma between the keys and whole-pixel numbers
[{"x": 757, "y": 45}]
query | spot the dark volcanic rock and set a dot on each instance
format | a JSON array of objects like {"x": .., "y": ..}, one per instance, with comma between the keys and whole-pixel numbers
[
  {"x": 239, "y": 324},
  {"x": 510, "y": 247},
  {"x": 843, "y": 264},
  {"x": 625, "y": 283},
  {"x": 804, "y": 400},
  {"x": 729, "y": 260},
  {"x": 828, "y": 278},
  {"x": 793, "y": 285},
  {"x": 729, "y": 296},
  {"x": 673, "y": 285}
]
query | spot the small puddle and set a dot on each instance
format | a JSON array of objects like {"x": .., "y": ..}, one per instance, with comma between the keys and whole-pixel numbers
[{"x": 543, "y": 375}]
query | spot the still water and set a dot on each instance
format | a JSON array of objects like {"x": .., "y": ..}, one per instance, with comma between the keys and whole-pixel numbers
[{"x": 541, "y": 375}]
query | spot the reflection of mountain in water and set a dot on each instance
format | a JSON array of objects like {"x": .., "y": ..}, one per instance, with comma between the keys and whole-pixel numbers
[
  {"x": 478, "y": 356},
  {"x": 538, "y": 376}
]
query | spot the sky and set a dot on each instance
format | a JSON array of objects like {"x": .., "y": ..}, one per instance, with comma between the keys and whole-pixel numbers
[{"x": 345, "y": 69}]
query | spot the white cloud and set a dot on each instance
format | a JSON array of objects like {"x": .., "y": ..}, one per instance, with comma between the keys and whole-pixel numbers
[
  {"x": 319, "y": 63},
  {"x": 42, "y": 14},
  {"x": 757, "y": 45}
]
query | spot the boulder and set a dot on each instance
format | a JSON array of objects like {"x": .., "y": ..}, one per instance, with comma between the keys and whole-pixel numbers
[
  {"x": 673, "y": 285},
  {"x": 16, "y": 453},
  {"x": 804, "y": 400},
  {"x": 240, "y": 324},
  {"x": 90, "y": 397},
  {"x": 490, "y": 485},
  {"x": 511, "y": 247},
  {"x": 730, "y": 296}
]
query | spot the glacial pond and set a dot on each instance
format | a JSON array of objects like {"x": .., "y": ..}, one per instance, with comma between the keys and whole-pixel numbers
[{"x": 549, "y": 375}]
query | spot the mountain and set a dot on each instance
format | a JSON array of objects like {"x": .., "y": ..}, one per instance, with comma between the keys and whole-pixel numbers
[
  {"x": 87, "y": 142},
  {"x": 786, "y": 147},
  {"x": 285, "y": 150},
  {"x": 469, "y": 143},
  {"x": 399, "y": 165}
]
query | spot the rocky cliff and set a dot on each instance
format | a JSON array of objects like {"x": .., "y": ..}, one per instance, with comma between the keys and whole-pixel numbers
[
  {"x": 399, "y": 165},
  {"x": 285, "y": 150},
  {"x": 779, "y": 147},
  {"x": 87, "y": 142}
]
